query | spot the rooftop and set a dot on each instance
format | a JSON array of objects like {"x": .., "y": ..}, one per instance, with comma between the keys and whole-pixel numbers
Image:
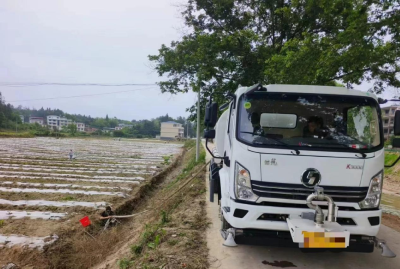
[
  {"x": 392, "y": 106},
  {"x": 171, "y": 122}
]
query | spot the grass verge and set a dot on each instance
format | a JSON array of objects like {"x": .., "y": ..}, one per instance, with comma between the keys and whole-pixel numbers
[
  {"x": 390, "y": 157},
  {"x": 174, "y": 236},
  {"x": 191, "y": 164},
  {"x": 16, "y": 135}
]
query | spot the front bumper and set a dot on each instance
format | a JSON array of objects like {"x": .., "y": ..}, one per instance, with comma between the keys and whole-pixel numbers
[{"x": 251, "y": 219}]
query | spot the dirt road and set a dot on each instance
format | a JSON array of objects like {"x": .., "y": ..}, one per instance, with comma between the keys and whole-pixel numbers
[{"x": 252, "y": 257}]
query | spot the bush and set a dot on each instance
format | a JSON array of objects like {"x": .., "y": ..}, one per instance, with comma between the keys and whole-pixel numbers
[
  {"x": 119, "y": 133},
  {"x": 82, "y": 134},
  {"x": 18, "y": 135},
  {"x": 190, "y": 143},
  {"x": 124, "y": 263}
]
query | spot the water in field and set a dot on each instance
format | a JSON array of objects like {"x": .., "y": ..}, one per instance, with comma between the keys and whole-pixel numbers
[{"x": 391, "y": 204}]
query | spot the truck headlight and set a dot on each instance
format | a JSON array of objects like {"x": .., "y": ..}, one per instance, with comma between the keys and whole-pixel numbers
[
  {"x": 243, "y": 185},
  {"x": 373, "y": 198}
]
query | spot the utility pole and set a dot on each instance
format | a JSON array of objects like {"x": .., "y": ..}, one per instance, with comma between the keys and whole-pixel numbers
[
  {"x": 198, "y": 127},
  {"x": 187, "y": 129}
]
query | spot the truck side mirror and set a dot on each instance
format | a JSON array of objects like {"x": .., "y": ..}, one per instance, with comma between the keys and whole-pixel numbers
[
  {"x": 396, "y": 142},
  {"x": 397, "y": 123},
  {"x": 211, "y": 116},
  {"x": 210, "y": 134}
]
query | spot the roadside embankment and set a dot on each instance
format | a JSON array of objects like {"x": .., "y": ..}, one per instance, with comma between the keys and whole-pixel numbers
[{"x": 171, "y": 233}]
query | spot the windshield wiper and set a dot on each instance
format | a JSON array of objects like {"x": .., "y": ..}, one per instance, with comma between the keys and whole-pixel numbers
[
  {"x": 346, "y": 146},
  {"x": 354, "y": 150},
  {"x": 276, "y": 140}
]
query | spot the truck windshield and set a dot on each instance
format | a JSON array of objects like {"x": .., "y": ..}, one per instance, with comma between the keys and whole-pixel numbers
[{"x": 309, "y": 121}]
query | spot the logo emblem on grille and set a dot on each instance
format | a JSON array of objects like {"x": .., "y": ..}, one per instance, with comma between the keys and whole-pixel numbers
[{"x": 311, "y": 178}]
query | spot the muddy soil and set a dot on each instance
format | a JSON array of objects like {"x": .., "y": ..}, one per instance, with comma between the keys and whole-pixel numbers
[
  {"x": 15, "y": 182},
  {"x": 391, "y": 221},
  {"x": 36, "y": 227},
  {"x": 391, "y": 184},
  {"x": 75, "y": 247},
  {"x": 182, "y": 243},
  {"x": 15, "y": 196}
]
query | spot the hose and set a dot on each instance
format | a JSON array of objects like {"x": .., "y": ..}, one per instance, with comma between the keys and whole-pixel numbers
[{"x": 169, "y": 197}]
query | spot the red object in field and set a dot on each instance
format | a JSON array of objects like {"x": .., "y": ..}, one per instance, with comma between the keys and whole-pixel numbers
[{"x": 85, "y": 221}]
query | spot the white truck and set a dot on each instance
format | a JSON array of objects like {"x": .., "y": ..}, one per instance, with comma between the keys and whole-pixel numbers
[{"x": 299, "y": 166}]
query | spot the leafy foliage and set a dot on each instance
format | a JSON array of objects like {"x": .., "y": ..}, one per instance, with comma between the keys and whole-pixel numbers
[
  {"x": 124, "y": 263},
  {"x": 234, "y": 42},
  {"x": 166, "y": 159},
  {"x": 164, "y": 217},
  {"x": 72, "y": 129},
  {"x": 8, "y": 118}
]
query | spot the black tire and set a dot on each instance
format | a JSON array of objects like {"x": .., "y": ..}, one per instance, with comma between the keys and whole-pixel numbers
[{"x": 224, "y": 224}]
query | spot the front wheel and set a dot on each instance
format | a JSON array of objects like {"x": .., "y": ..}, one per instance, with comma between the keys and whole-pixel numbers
[{"x": 224, "y": 224}]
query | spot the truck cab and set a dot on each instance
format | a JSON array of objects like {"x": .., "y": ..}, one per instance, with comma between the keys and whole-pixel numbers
[{"x": 275, "y": 144}]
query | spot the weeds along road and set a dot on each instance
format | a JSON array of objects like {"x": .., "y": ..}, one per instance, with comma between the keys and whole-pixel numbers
[{"x": 252, "y": 257}]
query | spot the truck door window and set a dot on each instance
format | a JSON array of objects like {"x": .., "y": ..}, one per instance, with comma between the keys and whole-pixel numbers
[{"x": 230, "y": 124}]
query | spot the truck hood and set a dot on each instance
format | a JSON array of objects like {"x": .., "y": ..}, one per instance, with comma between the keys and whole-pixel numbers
[{"x": 336, "y": 168}]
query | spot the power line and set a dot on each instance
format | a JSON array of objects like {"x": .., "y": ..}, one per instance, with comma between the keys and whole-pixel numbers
[
  {"x": 76, "y": 96},
  {"x": 15, "y": 84}
]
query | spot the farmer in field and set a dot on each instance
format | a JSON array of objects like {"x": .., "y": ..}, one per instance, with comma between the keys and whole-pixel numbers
[
  {"x": 71, "y": 154},
  {"x": 108, "y": 222}
]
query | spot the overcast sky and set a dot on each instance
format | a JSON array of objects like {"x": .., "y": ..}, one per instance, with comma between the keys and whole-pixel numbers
[{"x": 90, "y": 41}]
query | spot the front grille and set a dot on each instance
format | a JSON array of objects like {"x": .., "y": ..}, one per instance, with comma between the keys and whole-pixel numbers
[
  {"x": 293, "y": 205},
  {"x": 299, "y": 192},
  {"x": 273, "y": 217}
]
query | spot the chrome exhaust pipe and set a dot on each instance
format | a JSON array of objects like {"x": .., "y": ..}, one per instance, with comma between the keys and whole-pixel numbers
[
  {"x": 386, "y": 251},
  {"x": 320, "y": 195}
]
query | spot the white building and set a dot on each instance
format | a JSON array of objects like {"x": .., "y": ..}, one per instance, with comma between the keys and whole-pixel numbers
[
  {"x": 122, "y": 126},
  {"x": 38, "y": 120},
  {"x": 171, "y": 130},
  {"x": 388, "y": 120},
  {"x": 58, "y": 122},
  {"x": 22, "y": 118},
  {"x": 108, "y": 130},
  {"x": 80, "y": 126}
]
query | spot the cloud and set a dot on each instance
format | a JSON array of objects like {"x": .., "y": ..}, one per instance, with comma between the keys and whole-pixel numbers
[{"x": 88, "y": 41}]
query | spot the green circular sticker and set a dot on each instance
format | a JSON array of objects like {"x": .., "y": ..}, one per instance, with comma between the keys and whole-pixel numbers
[{"x": 247, "y": 105}]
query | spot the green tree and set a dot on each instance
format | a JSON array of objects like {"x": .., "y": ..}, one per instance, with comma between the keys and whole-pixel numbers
[
  {"x": 112, "y": 123},
  {"x": 72, "y": 129},
  {"x": 119, "y": 133},
  {"x": 100, "y": 123},
  {"x": 3, "y": 120},
  {"x": 235, "y": 42}
]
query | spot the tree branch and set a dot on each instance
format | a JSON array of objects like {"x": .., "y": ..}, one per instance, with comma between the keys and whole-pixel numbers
[
  {"x": 350, "y": 73},
  {"x": 223, "y": 77}
]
